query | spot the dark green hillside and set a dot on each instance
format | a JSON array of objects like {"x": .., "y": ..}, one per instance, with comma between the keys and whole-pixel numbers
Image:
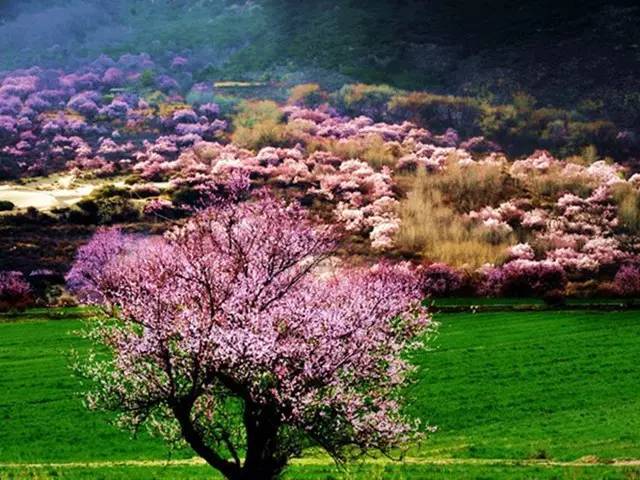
[{"x": 579, "y": 54}]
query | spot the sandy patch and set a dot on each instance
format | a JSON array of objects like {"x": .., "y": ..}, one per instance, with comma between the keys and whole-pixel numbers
[
  {"x": 63, "y": 191},
  {"x": 24, "y": 197}
]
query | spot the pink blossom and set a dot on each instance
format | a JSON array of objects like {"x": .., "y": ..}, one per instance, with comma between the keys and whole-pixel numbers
[
  {"x": 627, "y": 281},
  {"x": 179, "y": 62},
  {"x": 88, "y": 275},
  {"x": 521, "y": 251},
  {"x": 382, "y": 235},
  {"x": 15, "y": 291},
  {"x": 158, "y": 207},
  {"x": 440, "y": 280},
  {"x": 523, "y": 278}
]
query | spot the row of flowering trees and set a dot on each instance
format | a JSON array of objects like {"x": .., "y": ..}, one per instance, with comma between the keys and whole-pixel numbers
[
  {"x": 520, "y": 278},
  {"x": 105, "y": 119},
  {"x": 93, "y": 118}
]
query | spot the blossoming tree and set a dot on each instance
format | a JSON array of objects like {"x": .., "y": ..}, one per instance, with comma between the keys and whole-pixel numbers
[{"x": 230, "y": 333}]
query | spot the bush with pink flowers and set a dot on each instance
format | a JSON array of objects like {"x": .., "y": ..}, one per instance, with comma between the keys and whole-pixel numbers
[
  {"x": 522, "y": 278},
  {"x": 627, "y": 281},
  {"x": 440, "y": 280},
  {"x": 15, "y": 291}
]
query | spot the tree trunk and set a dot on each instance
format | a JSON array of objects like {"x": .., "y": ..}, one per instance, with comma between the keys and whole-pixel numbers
[
  {"x": 258, "y": 474},
  {"x": 263, "y": 460},
  {"x": 195, "y": 440}
]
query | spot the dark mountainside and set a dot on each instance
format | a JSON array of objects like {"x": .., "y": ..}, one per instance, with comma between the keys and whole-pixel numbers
[
  {"x": 583, "y": 55},
  {"x": 561, "y": 52}
]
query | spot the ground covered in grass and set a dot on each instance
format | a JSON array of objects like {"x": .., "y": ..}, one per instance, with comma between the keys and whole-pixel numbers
[{"x": 506, "y": 390}]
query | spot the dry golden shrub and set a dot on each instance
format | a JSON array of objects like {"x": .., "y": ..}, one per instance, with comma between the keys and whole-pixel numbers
[
  {"x": 371, "y": 149},
  {"x": 260, "y": 124},
  {"x": 628, "y": 200},
  {"x": 437, "y": 232},
  {"x": 474, "y": 186}
]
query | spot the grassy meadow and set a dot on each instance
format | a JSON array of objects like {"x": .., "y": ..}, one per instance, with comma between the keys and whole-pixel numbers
[{"x": 530, "y": 395}]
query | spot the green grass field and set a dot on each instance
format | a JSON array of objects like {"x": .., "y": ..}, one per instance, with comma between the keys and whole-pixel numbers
[{"x": 530, "y": 395}]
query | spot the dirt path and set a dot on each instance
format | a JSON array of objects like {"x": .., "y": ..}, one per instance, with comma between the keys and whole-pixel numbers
[{"x": 587, "y": 462}]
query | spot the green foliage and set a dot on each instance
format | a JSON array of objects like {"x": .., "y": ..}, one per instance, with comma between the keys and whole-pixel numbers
[
  {"x": 228, "y": 104},
  {"x": 252, "y": 114},
  {"x": 106, "y": 205},
  {"x": 104, "y": 211},
  {"x": 156, "y": 97},
  {"x": 185, "y": 196},
  {"x": 259, "y": 124},
  {"x": 438, "y": 112},
  {"x": 519, "y": 126},
  {"x": 363, "y": 99},
  {"x": 307, "y": 95},
  {"x": 110, "y": 190},
  {"x": 6, "y": 206},
  {"x": 147, "y": 78}
]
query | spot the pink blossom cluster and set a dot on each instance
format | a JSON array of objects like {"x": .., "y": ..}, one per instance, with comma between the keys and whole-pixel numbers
[
  {"x": 627, "y": 281},
  {"x": 364, "y": 200},
  {"x": 15, "y": 291},
  {"x": 39, "y": 104},
  {"x": 521, "y": 251},
  {"x": 440, "y": 280},
  {"x": 579, "y": 233},
  {"x": 542, "y": 162},
  {"x": 501, "y": 219},
  {"x": 522, "y": 277},
  {"x": 158, "y": 207},
  {"x": 326, "y": 123},
  {"x": 431, "y": 157}
]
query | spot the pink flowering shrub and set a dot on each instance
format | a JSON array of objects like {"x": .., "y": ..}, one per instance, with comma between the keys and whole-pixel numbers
[
  {"x": 232, "y": 308},
  {"x": 627, "y": 281},
  {"x": 179, "y": 62},
  {"x": 521, "y": 278},
  {"x": 479, "y": 145},
  {"x": 85, "y": 103},
  {"x": 521, "y": 251},
  {"x": 210, "y": 110},
  {"x": 15, "y": 291},
  {"x": 440, "y": 280},
  {"x": 159, "y": 208},
  {"x": 86, "y": 277}
]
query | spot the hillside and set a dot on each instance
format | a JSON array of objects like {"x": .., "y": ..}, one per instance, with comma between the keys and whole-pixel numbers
[{"x": 582, "y": 55}]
